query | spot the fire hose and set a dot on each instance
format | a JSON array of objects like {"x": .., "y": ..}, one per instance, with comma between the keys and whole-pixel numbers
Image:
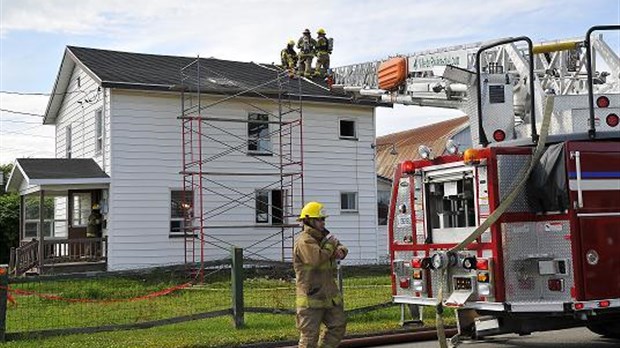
[{"x": 497, "y": 213}]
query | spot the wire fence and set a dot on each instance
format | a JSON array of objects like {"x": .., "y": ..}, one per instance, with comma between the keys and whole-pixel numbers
[{"x": 42, "y": 306}]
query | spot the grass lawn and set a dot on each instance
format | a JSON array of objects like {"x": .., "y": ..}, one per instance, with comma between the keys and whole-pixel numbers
[{"x": 33, "y": 313}]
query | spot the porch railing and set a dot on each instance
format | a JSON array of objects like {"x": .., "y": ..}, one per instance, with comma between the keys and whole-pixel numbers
[
  {"x": 75, "y": 250},
  {"x": 24, "y": 257},
  {"x": 58, "y": 251}
]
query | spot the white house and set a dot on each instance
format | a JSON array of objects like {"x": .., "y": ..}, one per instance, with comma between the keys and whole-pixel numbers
[{"x": 121, "y": 111}]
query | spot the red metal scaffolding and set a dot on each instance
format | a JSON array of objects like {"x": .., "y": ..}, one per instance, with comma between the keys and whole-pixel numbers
[{"x": 206, "y": 140}]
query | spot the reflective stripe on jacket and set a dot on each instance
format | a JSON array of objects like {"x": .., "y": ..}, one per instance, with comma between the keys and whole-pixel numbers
[{"x": 315, "y": 270}]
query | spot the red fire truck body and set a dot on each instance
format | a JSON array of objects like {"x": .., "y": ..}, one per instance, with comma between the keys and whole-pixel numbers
[
  {"x": 544, "y": 171},
  {"x": 553, "y": 264}
]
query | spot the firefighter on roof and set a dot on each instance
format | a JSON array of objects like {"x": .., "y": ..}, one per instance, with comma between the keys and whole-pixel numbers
[
  {"x": 318, "y": 298},
  {"x": 306, "y": 45},
  {"x": 289, "y": 57},
  {"x": 323, "y": 50}
]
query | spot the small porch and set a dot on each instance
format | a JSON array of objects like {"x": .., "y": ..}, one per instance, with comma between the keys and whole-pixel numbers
[{"x": 63, "y": 216}]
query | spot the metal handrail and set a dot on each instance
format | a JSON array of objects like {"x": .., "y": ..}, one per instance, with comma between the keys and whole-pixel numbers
[
  {"x": 481, "y": 133},
  {"x": 588, "y": 44}
]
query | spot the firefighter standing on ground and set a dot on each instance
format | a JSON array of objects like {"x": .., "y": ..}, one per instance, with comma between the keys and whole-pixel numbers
[
  {"x": 306, "y": 45},
  {"x": 322, "y": 54},
  {"x": 289, "y": 57},
  {"x": 318, "y": 298}
]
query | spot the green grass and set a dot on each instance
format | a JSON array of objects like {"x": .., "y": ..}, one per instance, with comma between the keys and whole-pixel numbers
[{"x": 33, "y": 313}]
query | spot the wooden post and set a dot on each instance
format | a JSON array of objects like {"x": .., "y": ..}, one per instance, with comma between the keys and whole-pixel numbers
[
  {"x": 237, "y": 287},
  {"x": 21, "y": 219},
  {"x": 4, "y": 284},
  {"x": 41, "y": 234}
]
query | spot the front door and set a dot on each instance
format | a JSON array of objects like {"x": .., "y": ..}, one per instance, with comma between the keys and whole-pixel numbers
[
  {"x": 594, "y": 183},
  {"x": 80, "y": 207}
]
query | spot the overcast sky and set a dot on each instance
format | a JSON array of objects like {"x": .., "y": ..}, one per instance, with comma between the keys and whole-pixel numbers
[{"x": 33, "y": 35}]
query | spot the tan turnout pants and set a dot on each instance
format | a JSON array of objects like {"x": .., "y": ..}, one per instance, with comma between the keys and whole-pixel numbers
[{"x": 309, "y": 325}]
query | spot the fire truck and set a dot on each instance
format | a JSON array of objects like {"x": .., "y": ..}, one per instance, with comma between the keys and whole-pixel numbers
[{"x": 521, "y": 232}]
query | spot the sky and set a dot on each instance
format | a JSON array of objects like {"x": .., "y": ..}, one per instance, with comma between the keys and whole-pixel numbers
[{"x": 33, "y": 36}]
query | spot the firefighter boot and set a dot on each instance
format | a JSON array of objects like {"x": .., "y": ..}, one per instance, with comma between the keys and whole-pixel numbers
[{"x": 309, "y": 326}]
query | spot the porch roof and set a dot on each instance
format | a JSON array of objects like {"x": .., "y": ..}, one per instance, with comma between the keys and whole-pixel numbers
[{"x": 32, "y": 174}]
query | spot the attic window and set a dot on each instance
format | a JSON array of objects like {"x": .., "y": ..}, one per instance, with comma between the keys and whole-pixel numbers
[{"x": 79, "y": 82}]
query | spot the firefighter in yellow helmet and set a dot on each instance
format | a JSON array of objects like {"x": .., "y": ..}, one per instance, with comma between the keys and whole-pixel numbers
[
  {"x": 318, "y": 298},
  {"x": 289, "y": 57},
  {"x": 306, "y": 45},
  {"x": 323, "y": 50}
]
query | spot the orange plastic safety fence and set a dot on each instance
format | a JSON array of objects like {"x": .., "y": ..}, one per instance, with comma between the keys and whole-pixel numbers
[{"x": 89, "y": 300}]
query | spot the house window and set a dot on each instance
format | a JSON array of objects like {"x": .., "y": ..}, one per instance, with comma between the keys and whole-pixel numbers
[
  {"x": 347, "y": 129},
  {"x": 348, "y": 201},
  {"x": 98, "y": 130},
  {"x": 68, "y": 141},
  {"x": 181, "y": 207},
  {"x": 31, "y": 217},
  {"x": 269, "y": 207},
  {"x": 383, "y": 206},
  {"x": 259, "y": 139},
  {"x": 81, "y": 209}
]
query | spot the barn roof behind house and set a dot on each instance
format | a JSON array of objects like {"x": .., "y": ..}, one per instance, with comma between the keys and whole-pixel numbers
[{"x": 406, "y": 143}]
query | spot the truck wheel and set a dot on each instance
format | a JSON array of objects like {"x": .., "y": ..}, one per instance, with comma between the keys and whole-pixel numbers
[{"x": 608, "y": 330}]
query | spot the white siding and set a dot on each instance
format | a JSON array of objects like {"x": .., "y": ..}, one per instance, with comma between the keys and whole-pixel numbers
[
  {"x": 147, "y": 157},
  {"x": 78, "y": 110}
]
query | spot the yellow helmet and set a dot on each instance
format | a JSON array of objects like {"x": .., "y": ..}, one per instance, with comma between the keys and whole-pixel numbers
[
  {"x": 291, "y": 42},
  {"x": 312, "y": 210},
  {"x": 321, "y": 31}
]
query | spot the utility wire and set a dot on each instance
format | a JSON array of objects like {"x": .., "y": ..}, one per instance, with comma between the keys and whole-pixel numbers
[
  {"x": 45, "y": 93},
  {"x": 21, "y": 113}
]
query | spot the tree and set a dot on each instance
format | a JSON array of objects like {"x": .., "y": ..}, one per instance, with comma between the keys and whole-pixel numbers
[
  {"x": 9, "y": 224},
  {"x": 9, "y": 218}
]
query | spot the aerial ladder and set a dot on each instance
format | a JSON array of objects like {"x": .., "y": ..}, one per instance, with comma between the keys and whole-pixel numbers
[{"x": 521, "y": 232}]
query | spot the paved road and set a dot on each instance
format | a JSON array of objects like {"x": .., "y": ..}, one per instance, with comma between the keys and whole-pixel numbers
[{"x": 572, "y": 338}]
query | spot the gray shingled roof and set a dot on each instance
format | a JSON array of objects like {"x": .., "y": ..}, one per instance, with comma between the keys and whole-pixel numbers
[
  {"x": 60, "y": 168},
  {"x": 161, "y": 72}
]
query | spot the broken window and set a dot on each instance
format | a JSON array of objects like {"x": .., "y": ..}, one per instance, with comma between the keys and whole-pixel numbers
[{"x": 259, "y": 139}]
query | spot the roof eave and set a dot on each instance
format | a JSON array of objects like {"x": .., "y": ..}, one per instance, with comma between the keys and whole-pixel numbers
[
  {"x": 9, "y": 183},
  {"x": 68, "y": 63},
  {"x": 307, "y": 97}
]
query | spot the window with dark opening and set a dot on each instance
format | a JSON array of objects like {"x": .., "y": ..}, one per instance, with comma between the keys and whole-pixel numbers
[
  {"x": 181, "y": 210},
  {"x": 383, "y": 206},
  {"x": 347, "y": 129},
  {"x": 348, "y": 201},
  {"x": 269, "y": 207}
]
